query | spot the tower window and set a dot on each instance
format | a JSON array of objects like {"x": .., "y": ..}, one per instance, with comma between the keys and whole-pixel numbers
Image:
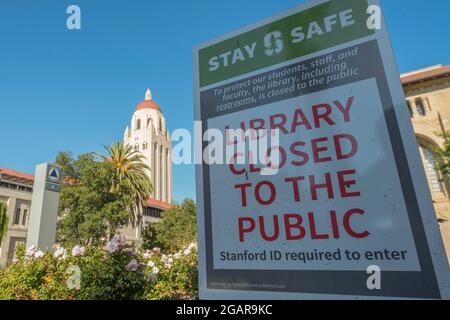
[
  {"x": 136, "y": 147},
  {"x": 138, "y": 124},
  {"x": 420, "y": 108},
  {"x": 160, "y": 124},
  {"x": 144, "y": 146}
]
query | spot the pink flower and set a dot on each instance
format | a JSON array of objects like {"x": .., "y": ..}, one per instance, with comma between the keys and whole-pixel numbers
[
  {"x": 111, "y": 247},
  {"x": 133, "y": 265},
  {"x": 156, "y": 249},
  {"x": 115, "y": 243}
]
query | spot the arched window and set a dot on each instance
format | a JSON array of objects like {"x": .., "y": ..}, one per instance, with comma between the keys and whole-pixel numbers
[
  {"x": 144, "y": 146},
  {"x": 138, "y": 124},
  {"x": 429, "y": 163},
  {"x": 160, "y": 124}
]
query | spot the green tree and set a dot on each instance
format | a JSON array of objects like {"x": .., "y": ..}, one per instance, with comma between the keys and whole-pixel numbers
[
  {"x": 3, "y": 220},
  {"x": 89, "y": 209},
  {"x": 149, "y": 237},
  {"x": 443, "y": 156},
  {"x": 176, "y": 229},
  {"x": 65, "y": 161},
  {"x": 131, "y": 177}
]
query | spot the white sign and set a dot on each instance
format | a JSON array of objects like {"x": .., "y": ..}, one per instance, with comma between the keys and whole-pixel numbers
[
  {"x": 348, "y": 197},
  {"x": 44, "y": 207}
]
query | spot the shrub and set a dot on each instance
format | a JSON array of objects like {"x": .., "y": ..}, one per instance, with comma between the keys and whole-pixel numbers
[
  {"x": 176, "y": 229},
  {"x": 3, "y": 220},
  {"x": 177, "y": 277},
  {"x": 114, "y": 271}
]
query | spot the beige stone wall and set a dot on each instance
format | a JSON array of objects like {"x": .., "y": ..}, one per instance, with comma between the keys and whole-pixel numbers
[
  {"x": 435, "y": 98},
  {"x": 16, "y": 232}
]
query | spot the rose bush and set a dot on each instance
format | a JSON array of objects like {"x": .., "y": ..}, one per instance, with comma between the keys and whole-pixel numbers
[
  {"x": 176, "y": 274},
  {"x": 116, "y": 270}
]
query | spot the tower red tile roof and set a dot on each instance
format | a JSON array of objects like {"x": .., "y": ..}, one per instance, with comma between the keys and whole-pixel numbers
[{"x": 148, "y": 104}]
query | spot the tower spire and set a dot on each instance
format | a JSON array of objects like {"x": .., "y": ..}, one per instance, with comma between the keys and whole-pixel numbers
[{"x": 148, "y": 94}]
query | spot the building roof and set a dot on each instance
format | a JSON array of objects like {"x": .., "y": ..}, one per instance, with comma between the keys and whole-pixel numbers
[
  {"x": 17, "y": 174},
  {"x": 148, "y": 102},
  {"x": 148, "y": 105},
  {"x": 426, "y": 74},
  {"x": 158, "y": 204}
]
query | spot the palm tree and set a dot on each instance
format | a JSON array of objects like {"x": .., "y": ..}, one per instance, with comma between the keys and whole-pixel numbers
[
  {"x": 3, "y": 220},
  {"x": 131, "y": 176}
]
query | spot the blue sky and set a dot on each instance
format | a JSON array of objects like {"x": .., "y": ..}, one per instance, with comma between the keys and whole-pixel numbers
[{"x": 76, "y": 90}]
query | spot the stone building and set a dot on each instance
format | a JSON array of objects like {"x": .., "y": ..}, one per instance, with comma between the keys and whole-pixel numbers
[
  {"x": 16, "y": 189},
  {"x": 427, "y": 93}
]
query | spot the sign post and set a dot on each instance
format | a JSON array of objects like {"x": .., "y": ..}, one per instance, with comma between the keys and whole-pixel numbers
[
  {"x": 348, "y": 213},
  {"x": 44, "y": 207}
]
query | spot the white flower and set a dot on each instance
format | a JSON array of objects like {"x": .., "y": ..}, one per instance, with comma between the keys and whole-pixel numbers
[
  {"x": 156, "y": 249},
  {"x": 147, "y": 255},
  {"x": 155, "y": 270},
  {"x": 192, "y": 245},
  {"x": 167, "y": 262},
  {"x": 151, "y": 264},
  {"x": 38, "y": 254},
  {"x": 78, "y": 251},
  {"x": 187, "y": 252},
  {"x": 60, "y": 253},
  {"x": 133, "y": 265},
  {"x": 31, "y": 251}
]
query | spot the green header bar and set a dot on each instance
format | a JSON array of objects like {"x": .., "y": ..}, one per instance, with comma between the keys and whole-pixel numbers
[{"x": 320, "y": 27}]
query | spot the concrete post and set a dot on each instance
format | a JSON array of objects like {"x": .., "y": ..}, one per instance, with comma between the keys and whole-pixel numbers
[{"x": 44, "y": 207}]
